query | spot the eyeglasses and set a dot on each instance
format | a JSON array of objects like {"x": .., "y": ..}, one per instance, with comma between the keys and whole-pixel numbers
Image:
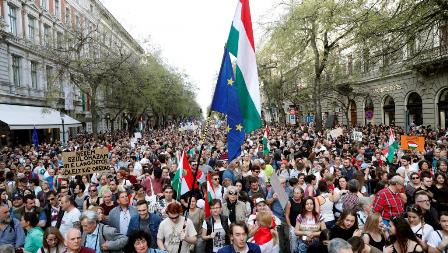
[
  {"x": 93, "y": 190},
  {"x": 415, "y": 178},
  {"x": 233, "y": 193},
  {"x": 256, "y": 171}
]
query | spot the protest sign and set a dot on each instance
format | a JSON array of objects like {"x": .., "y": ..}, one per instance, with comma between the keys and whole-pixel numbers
[
  {"x": 86, "y": 161},
  {"x": 335, "y": 133},
  {"x": 409, "y": 142},
  {"x": 357, "y": 136},
  {"x": 278, "y": 188}
]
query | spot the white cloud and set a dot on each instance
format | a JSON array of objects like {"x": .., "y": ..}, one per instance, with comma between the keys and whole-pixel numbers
[{"x": 191, "y": 34}]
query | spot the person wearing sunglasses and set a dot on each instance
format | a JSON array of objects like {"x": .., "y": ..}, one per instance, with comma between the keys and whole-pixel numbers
[
  {"x": 412, "y": 186},
  {"x": 53, "y": 210},
  {"x": 218, "y": 189},
  {"x": 418, "y": 225},
  {"x": 232, "y": 207},
  {"x": 92, "y": 198},
  {"x": 174, "y": 229}
]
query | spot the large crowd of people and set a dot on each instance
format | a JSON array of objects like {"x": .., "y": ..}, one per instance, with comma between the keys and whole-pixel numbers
[{"x": 342, "y": 195}]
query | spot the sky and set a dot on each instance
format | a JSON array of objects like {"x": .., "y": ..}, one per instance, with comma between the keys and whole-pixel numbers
[{"x": 190, "y": 34}]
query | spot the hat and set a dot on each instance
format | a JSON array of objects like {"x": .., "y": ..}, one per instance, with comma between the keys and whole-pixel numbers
[
  {"x": 17, "y": 196},
  {"x": 259, "y": 200}
]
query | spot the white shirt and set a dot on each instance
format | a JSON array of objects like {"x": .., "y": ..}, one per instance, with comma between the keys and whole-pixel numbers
[
  {"x": 435, "y": 238},
  {"x": 69, "y": 219},
  {"x": 425, "y": 232}
]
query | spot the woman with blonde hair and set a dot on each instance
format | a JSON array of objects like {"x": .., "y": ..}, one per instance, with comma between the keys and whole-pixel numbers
[
  {"x": 266, "y": 236},
  {"x": 373, "y": 231},
  {"x": 53, "y": 241}
]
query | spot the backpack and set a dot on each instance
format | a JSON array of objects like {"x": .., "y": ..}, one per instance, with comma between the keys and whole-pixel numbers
[{"x": 350, "y": 201}]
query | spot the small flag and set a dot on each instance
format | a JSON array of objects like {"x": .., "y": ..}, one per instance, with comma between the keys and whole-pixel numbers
[
  {"x": 266, "y": 147},
  {"x": 183, "y": 179},
  {"x": 210, "y": 194},
  {"x": 35, "y": 138},
  {"x": 389, "y": 151}
]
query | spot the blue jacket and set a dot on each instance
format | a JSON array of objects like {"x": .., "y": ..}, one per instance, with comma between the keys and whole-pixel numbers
[
  {"x": 154, "y": 222},
  {"x": 114, "y": 216},
  {"x": 13, "y": 234},
  {"x": 253, "y": 248}
]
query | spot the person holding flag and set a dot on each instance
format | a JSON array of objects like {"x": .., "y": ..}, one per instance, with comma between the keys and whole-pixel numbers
[{"x": 215, "y": 229}]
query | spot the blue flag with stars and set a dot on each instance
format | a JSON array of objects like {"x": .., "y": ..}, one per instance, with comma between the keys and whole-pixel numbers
[
  {"x": 35, "y": 138},
  {"x": 225, "y": 100}
]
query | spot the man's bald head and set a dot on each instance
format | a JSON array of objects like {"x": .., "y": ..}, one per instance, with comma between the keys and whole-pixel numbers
[{"x": 73, "y": 240}]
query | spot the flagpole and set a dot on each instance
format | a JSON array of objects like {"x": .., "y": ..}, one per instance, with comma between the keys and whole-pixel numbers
[{"x": 203, "y": 137}]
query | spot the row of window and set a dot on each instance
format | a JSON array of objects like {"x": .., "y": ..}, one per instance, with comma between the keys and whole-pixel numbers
[{"x": 17, "y": 72}]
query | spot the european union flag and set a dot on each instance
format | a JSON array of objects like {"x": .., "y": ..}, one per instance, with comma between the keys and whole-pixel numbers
[
  {"x": 225, "y": 100},
  {"x": 35, "y": 138}
]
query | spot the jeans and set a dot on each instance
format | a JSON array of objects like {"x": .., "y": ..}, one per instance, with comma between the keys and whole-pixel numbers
[{"x": 292, "y": 239}]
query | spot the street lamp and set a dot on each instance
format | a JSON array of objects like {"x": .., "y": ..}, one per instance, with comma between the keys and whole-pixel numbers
[
  {"x": 63, "y": 127},
  {"x": 107, "y": 121}
]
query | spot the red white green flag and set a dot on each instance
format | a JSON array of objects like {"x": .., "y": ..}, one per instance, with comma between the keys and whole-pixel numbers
[
  {"x": 183, "y": 179},
  {"x": 241, "y": 45},
  {"x": 210, "y": 195}
]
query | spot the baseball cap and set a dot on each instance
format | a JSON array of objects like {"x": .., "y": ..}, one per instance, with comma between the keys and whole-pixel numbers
[
  {"x": 259, "y": 200},
  {"x": 17, "y": 196}
]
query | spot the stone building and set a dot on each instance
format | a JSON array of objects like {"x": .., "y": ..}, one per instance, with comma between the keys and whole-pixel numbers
[{"x": 26, "y": 26}]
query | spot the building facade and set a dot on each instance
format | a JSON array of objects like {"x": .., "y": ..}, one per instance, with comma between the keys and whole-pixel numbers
[
  {"x": 411, "y": 90},
  {"x": 27, "y": 26}
]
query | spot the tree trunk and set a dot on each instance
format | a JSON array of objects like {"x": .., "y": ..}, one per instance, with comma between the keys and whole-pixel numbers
[
  {"x": 93, "y": 111},
  {"x": 317, "y": 103}
]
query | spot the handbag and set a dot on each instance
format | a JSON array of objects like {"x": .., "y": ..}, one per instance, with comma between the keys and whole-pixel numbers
[{"x": 152, "y": 200}]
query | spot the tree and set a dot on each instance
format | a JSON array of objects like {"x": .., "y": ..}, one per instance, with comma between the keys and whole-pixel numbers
[{"x": 312, "y": 35}]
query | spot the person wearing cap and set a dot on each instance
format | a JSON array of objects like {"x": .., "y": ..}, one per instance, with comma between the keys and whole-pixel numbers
[
  {"x": 17, "y": 201},
  {"x": 30, "y": 206},
  {"x": 260, "y": 205},
  {"x": 388, "y": 202}
]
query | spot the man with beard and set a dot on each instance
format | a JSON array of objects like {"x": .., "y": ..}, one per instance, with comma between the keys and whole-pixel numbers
[{"x": 11, "y": 232}]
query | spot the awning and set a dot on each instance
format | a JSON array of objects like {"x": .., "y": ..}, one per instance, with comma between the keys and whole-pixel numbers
[{"x": 28, "y": 117}]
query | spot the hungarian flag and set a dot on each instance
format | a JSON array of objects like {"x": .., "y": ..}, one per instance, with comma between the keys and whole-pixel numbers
[
  {"x": 183, "y": 179},
  {"x": 266, "y": 147},
  {"x": 241, "y": 45},
  {"x": 263, "y": 238},
  {"x": 389, "y": 151},
  {"x": 210, "y": 195}
]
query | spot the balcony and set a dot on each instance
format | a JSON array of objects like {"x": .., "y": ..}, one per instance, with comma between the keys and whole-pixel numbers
[{"x": 431, "y": 60}]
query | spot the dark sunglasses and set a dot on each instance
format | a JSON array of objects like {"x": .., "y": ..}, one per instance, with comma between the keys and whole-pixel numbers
[
  {"x": 415, "y": 177},
  {"x": 256, "y": 171},
  {"x": 233, "y": 193},
  {"x": 94, "y": 190}
]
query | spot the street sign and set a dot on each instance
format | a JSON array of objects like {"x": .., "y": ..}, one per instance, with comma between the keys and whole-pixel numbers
[
  {"x": 369, "y": 114},
  {"x": 310, "y": 119},
  {"x": 292, "y": 119}
]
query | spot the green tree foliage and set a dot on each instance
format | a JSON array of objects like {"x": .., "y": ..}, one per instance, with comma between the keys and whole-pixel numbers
[{"x": 119, "y": 79}]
